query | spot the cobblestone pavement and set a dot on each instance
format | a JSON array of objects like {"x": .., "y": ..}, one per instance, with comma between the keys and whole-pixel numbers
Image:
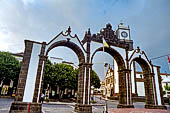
[{"x": 138, "y": 110}]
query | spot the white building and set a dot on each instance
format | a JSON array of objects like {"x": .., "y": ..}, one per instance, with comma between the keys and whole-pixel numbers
[{"x": 18, "y": 56}]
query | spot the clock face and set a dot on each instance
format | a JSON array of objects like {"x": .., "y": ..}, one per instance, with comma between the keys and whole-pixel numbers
[{"x": 124, "y": 34}]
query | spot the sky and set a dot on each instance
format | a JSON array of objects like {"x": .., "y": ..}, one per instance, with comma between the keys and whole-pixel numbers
[{"x": 41, "y": 20}]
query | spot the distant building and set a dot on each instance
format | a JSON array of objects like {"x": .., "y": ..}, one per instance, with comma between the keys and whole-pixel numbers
[
  {"x": 139, "y": 83},
  {"x": 70, "y": 63},
  {"x": 109, "y": 82},
  {"x": 107, "y": 86}
]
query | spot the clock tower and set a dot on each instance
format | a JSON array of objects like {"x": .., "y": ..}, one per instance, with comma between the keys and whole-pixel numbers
[{"x": 123, "y": 32}]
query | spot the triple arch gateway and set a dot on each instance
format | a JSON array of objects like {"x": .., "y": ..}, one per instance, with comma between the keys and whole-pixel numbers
[{"x": 120, "y": 48}]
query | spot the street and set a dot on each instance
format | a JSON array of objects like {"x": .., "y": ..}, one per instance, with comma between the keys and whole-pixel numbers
[
  {"x": 61, "y": 107},
  {"x": 5, "y": 104}
]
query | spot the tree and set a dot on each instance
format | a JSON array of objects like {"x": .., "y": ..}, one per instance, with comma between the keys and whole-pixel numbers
[
  {"x": 9, "y": 67},
  {"x": 167, "y": 88},
  {"x": 65, "y": 76},
  {"x": 48, "y": 74},
  {"x": 61, "y": 75},
  {"x": 95, "y": 81}
]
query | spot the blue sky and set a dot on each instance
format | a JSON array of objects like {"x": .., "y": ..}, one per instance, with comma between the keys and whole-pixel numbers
[{"x": 41, "y": 20}]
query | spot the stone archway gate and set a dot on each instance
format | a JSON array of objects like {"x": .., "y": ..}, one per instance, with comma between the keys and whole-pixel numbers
[{"x": 35, "y": 55}]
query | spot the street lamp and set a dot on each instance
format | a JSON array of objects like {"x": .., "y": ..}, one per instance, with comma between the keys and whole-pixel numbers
[{"x": 106, "y": 107}]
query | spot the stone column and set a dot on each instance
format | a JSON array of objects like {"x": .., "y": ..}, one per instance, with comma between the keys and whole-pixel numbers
[
  {"x": 23, "y": 102},
  {"x": 123, "y": 90},
  {"x": 149, "y": 93},
  {"x": 159, "y": 91},
  {"x": 88, "y": 86},
  {"x": 85, "y": 89},
  {"x": 80, "y": 84},
  {"x": 82, "y": 97},
  {"x": 24, "y": 71}
]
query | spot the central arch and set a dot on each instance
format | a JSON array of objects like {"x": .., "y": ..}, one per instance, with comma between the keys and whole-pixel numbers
[{"x": 121, "y": 72}]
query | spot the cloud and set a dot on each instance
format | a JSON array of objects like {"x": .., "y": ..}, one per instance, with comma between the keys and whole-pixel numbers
[
  {"x": 26, "y": 2},
  {"x": 42, "y": 20}
]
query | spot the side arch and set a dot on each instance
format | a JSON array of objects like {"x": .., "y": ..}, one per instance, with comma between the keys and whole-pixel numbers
[
  {"x": 143, "y": 63},
  {"x": 148, "y": 80},
  {"x": 70, "y": 45}
]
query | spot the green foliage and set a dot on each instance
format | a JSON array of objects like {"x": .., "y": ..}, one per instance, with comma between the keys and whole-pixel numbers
[
  {"x": 95, "y": 81},
  {"x": 167, "y": 88},
  {"x": 9, "y": 67},
  {"x": 60, "y": 74},
  {"x": 48, "y": 73},
  {"x": 164, "y": 92},
  {"x": 65, "y": 76}
]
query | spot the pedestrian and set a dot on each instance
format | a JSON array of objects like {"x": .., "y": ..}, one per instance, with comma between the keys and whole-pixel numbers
[
  {"x": 92, "y": 98},
  {"x": 42, "y": 97}
]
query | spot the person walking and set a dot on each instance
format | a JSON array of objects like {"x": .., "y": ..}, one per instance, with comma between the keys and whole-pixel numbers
[{"x": 42, "y": 98}]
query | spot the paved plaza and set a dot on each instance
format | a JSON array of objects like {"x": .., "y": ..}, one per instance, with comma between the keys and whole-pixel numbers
[{"x": 62, "y": 107}]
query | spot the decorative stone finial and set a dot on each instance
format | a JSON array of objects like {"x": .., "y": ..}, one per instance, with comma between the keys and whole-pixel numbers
[
  {"x": 89, "y": 33},
  {"x": 86, "y": 33},
  {"x": 138, "y": 49},
  {"x": 108, "y": 26},
  {"x": 68, "y": 30}
]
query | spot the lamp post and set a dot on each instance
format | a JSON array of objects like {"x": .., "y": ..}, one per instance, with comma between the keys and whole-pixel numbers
[{"x": 106, "y": 107}]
